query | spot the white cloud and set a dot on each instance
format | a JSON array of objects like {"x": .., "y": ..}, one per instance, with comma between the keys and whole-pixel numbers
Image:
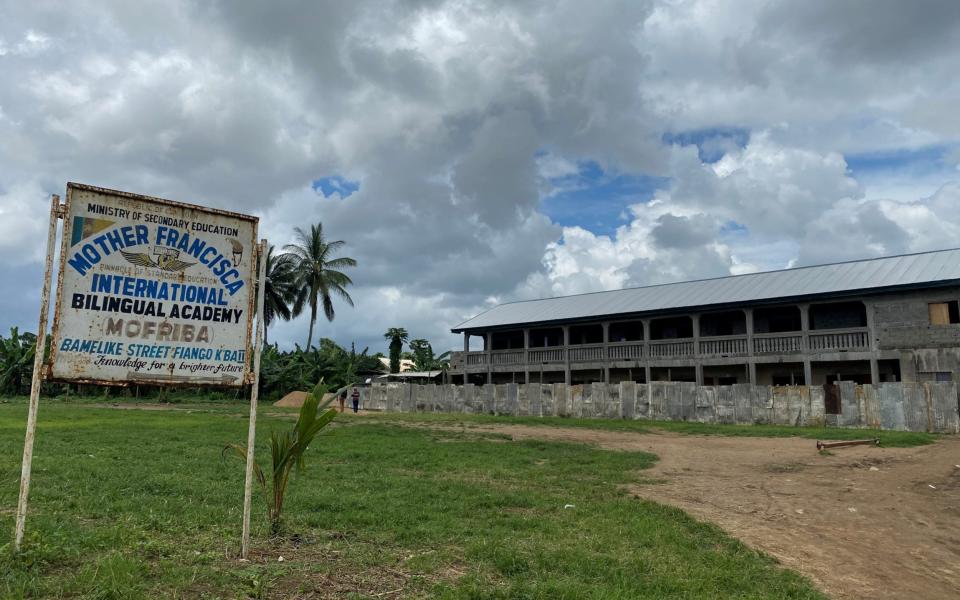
[
  {"x": 32, "y": 43},
  {"x": 23, "y": 230},
  {"x": 794, "y": 204}
]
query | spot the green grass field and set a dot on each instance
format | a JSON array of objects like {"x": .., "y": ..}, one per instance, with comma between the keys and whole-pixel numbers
[{"x": 141, "y": 504}]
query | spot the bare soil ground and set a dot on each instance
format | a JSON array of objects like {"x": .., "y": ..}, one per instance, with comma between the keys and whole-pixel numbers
[{"x": 864, "y": 522}]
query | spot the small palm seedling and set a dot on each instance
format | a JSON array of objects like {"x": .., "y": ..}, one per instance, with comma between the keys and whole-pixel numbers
[{"x": 287, "y": 450}]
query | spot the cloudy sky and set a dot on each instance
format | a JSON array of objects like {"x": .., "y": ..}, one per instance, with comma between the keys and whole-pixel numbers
[{"x": 474, "y": 152}]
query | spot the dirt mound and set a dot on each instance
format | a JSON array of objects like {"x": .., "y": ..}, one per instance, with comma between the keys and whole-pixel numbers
[
  {"x": 292, "y": 400},
  {"x": 295, "y": 399}
]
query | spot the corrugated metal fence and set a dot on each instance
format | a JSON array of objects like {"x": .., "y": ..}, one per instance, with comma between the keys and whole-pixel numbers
[{"x": 895, "y": 406}]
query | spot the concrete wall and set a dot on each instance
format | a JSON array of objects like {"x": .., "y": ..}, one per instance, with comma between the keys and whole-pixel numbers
[
  {"x": 903, "y": 321},
  {"x": 895, "y": 406}
]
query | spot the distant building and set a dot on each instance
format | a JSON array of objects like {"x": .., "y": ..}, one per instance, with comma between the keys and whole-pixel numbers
[
  {"x": 413, "y": 377},
  {"x": 405, "y": 364},
  {"x": 886, "y": 319}
]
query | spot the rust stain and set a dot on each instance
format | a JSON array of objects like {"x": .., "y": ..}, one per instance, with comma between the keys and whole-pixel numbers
[{"x": 927, "y": 396}]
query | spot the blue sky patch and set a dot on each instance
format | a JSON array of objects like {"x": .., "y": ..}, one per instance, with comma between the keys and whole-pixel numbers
[
  {"x": 916, "y": 161},
  {"x": 598, "y": 200},
  {"x": 734, "y": 228},
  {"x": 712, "y": 142},
  {"x": 335, "y": 184}
]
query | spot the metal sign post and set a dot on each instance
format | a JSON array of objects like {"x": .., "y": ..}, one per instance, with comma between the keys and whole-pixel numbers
[
  {"x": 56, "y": 212},
  {"x": 254, "y": 394}
]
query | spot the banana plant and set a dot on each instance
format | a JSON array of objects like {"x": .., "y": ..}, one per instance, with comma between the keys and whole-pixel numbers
[
  {"x": 287, "y": 451},
  {"x": 16, "y": 361}
]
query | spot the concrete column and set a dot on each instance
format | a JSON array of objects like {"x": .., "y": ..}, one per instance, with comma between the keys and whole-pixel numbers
[
  {"x": 695, "y": 322},
  {"x": 466, "y": 352},
  {"x": 805, "y": 327},
  {"x": 871, "y": 326},
  {"x": 606, "y": 340},
  {"x": 698, "y": 365},
  {"x": 566, "y": 354},
  {"x": 805, "y": 343},
  {"x": 526, "y": 355},
  {"x": 874, "y": 371},
  {"x": 488, "y": 347},
  {"x": 646, "y": 348},
  {"x": 751, "y": 361}
]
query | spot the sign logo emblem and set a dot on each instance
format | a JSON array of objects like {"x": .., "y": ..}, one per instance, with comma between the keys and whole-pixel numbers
[{"x": 168, "y": 259}]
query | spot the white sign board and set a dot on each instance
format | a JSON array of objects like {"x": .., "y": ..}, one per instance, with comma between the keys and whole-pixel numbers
[{"x": 152, "y": 291}]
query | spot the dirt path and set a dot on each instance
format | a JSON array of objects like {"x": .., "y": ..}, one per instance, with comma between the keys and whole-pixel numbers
[{"x": 863, "y": 523}]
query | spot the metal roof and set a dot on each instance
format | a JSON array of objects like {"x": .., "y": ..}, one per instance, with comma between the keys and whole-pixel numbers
[
  {"x": 908, "y": 270},
  {"x": 411, "y": 374}
]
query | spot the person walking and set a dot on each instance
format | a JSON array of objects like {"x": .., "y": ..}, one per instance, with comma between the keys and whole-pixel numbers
[
  {"x": 355, "y": 397},
  {"x": 342, "y": 397}
]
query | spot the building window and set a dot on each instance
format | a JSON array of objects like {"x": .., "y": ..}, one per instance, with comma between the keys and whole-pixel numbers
[{"x": 944, "y": 313}]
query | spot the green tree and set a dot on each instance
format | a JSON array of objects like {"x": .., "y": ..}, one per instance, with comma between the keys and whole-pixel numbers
[
  {"x": 397, "y": 336},
  {"x": 318, "y": 273},
  {"x": 422, "y": 355},
  {"x": 280, "y": 291}
]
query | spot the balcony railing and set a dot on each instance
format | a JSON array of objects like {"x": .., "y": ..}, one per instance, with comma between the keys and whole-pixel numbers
[
  {"x": 506, "y": 357},
  {"x": 625, "y": 351},
  {"x": 476, "y": 358},
  {"x": 723, "y": 346},
  {"x": 777, "y": 343},
  {"x": 840, "y": 340},
  {"x": 586, "y": 353},
  {"x": 546, "y": 355},
  {"x": 670, "y": 349}
]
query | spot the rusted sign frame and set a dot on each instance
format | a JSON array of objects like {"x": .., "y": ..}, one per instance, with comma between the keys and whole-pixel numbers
[
  {"x": 247, "y": 376},
  {"x": 56, "y": 213}
]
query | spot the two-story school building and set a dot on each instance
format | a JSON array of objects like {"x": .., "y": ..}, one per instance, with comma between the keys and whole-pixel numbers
[{"x": 885, "y": 319}]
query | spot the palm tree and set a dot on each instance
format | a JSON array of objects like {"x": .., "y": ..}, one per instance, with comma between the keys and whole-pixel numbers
[
  {"x": 397, "y": 336},
  {"x": 317, "y": 273},
  {"x": 280, "y": 290},
  {"x": 287, "y": 450}
]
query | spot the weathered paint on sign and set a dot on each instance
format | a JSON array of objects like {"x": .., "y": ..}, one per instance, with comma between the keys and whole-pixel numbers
[{"x": 152, "y": 291}]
